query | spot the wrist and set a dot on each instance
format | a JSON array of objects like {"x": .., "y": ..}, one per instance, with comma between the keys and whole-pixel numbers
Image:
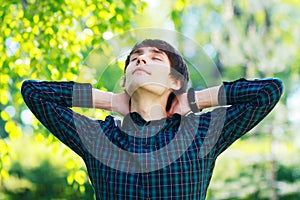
[{"x": 114, "y": 101}]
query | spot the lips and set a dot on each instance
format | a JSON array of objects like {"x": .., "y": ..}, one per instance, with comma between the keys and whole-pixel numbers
[{"x": 141, "y": 70}]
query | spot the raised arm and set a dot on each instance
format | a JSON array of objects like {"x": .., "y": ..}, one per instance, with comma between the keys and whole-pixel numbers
[
  {"x": 249, "y": 102},
  {"x": 50, "y": 102}
]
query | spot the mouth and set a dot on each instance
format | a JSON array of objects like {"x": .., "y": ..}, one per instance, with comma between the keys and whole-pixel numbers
[{"x": 141, "y": 70}]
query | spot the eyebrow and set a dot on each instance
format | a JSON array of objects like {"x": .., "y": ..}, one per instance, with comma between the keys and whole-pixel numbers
[{"x": 157, "y": 51}]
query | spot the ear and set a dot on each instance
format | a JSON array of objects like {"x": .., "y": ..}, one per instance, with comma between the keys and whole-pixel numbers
[{"x": 175, "y": 83}]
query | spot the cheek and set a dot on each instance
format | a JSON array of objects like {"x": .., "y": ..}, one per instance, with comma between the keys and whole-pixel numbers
[
  {"x": 128, "y": 68},
  {"x": 128, "y": 71},
  {"x": 126, "y": 81},
  {"x": 129, "y": 78},
  {"x": 161, "y": 71}
]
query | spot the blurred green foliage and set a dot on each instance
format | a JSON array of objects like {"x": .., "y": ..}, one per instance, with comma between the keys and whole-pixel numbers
[
  {"x": 62, "y": 40},
  {"x": 47, "y": 40}
]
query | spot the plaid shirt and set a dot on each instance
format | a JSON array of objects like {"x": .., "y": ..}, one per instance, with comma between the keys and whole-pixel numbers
[{"x": 171, "y": 158}]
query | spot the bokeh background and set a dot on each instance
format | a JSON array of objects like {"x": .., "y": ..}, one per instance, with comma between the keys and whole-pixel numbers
[{"x": 56, "y": 40}]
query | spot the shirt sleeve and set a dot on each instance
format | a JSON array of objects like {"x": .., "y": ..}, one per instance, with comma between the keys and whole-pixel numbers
[
  {"x": 50, "y": 102},
  {"x": 249, "y": 102}
]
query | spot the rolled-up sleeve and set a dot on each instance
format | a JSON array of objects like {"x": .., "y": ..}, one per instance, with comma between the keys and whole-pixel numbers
[
  {"x": 249, "y": 102},
  {"x": 50, "y": 102}
]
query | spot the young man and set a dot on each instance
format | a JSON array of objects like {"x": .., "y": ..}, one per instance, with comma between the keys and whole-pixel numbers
[{"x": 159, "y": 151}]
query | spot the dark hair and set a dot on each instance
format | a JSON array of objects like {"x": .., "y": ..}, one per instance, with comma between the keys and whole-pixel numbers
[{"x": 178, "y": 65}]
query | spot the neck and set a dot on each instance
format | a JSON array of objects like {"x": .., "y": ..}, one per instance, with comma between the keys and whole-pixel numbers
[{"x": 150, "y": 106}]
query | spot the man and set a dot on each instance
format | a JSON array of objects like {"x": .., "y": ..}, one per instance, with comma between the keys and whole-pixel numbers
[{"x": 161, "y": 150}]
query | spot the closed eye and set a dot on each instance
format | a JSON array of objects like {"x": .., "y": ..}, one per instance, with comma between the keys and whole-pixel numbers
[
  {"x": 133, "y": 59},
  {"x": 157, "y": 58}
]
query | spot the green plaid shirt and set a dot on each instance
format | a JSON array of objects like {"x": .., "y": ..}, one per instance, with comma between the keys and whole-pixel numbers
[{"x": 170, "y": 158}]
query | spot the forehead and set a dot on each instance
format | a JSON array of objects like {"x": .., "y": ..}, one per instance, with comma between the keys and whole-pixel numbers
[{"x": 142, "y": 50}]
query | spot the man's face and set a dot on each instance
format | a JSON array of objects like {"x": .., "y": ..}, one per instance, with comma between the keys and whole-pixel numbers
[{"x": 149, "y": 68}]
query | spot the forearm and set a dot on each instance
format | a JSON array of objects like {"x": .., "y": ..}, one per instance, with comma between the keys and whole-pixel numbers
[
  {"x": 208, "y": 97},
  {"x": 111, "y": 102},
  {"x": 259, "y": 92},
  {"x": 102, "y": 100}
]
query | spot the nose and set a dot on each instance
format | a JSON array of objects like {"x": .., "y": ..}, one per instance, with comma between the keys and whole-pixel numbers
[{"x": 141, "y": 60}]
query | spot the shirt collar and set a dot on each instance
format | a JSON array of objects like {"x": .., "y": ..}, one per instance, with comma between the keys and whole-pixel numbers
[{"x": 134, "y": 121}]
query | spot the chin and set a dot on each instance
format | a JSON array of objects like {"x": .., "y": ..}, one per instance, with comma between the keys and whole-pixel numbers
[{"x": 155, "y": 88}]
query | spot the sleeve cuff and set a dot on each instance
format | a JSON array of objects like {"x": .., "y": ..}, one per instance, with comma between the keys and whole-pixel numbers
[
  {"x": 222, "y": 96},
  {"x": 228, "y": 92},
  {"x": 82, "y": 95}
]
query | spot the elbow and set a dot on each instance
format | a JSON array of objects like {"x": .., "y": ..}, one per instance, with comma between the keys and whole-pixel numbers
[
  {"x": 278, "y": 86},
  {"x": 275, "y": 89},
  {"x": 271, "y": 94},
  {"x": 26, "y": 88}
]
